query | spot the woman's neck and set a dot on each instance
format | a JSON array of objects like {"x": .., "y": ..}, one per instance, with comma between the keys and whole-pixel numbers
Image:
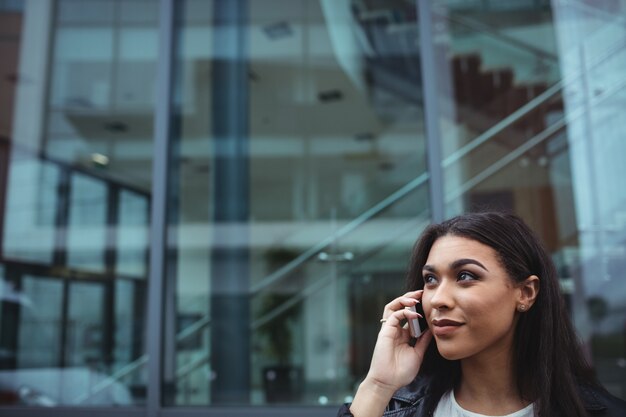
[{"x": 488, "y": 384}]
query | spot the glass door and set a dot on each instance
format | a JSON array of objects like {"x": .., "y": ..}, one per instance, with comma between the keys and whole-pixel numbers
[{"x": 299, "y": 187}]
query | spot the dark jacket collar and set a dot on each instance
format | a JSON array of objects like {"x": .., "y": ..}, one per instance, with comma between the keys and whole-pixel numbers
[
  {"x": 415, "y": 390},
  {"x": 590, "y": 399},
  {"x": 419, "y": 388}
]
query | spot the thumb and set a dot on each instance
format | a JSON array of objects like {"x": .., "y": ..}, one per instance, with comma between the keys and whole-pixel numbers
[{"x": 422, "y": 343}]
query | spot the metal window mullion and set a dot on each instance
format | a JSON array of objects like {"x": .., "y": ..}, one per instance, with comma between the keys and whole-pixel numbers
[
  {"x": 428, "y": 61},
  {"x": 158, "y": 225},
  {"x": 230, "y": 266},
  {"x": 60, "y": 254},
  {"x": 110, "y": 267}
]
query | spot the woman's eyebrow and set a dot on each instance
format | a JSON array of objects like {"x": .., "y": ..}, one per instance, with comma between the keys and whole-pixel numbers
[
  {"x": 460, "y": 262},
  {"x": 456, "y": 264}
]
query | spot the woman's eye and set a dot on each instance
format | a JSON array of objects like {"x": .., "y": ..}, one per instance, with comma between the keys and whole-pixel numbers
[
  {"x": 429, "y": 279},
  {"x": 466, "y": 276}
]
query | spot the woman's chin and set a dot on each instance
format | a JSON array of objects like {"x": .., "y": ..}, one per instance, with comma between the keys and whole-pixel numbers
[{"x": 449, "y": 352}]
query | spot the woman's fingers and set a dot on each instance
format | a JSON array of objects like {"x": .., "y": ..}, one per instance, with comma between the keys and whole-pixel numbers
[
  {"x": 396, "y": 360},
  {"x": 407, "y": 300},
  {"x": 396, "y": 318}
]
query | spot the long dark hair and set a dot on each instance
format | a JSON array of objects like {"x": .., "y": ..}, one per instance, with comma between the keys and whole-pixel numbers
[{"x": 547, "y": 359}]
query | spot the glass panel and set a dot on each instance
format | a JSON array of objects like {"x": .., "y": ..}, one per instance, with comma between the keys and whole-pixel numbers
[
  {"x": 85, "y": 325},
  {"x": 75, "y": 171},
  {"x": 31, "y": 209},
  {"x": 531, "y": 124},
  {"x": 593, "y": 58},
  {"x": 132, "y": 241},
  {"x": 37, "y": 346},
  {"x": 299, "y": 170},
  {"x": 40, "y": 323},
  {"x": 128, "y": 345},
  {"x": 86, "y": 238}
]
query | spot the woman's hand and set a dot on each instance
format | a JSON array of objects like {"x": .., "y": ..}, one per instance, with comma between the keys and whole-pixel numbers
[{"x": 395, "y": 363}]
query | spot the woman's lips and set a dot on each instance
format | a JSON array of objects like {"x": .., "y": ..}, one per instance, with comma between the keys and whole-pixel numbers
[{"x": 443, "y": 327}]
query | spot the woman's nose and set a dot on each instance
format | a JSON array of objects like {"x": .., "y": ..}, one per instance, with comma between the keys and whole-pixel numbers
[{"x": 442, "y": 296}]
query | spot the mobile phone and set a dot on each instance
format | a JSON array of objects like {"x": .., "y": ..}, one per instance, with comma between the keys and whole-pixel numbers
[{"x": 417, "y": 326}]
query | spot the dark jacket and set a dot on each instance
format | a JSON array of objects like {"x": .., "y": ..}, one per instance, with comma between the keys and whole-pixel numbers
[{"x": 410, "y": 402}]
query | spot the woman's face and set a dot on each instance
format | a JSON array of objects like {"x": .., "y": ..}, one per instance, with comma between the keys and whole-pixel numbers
[{"x": 469, "y": 300}]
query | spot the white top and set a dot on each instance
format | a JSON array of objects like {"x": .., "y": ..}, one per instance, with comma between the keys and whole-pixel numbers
[{"x": 448, "y": 407}]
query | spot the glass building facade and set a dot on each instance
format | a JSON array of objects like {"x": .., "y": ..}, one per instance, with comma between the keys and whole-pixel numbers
[{"x": 205, "y": 204}]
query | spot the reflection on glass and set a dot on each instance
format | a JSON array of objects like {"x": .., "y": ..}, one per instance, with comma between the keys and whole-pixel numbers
[
  {"x": 297, "y": 183},
  {"x": 85, "y": 338},
  {"x": 593, "y": 58},
  {"x": 500, "y": 96},
  {"x": 323, "y": 188},
  {"x": 127, "y": 344},
  {"x": 525, "y": 128},
  {"x": 40, "y": 322},
  {"x": 76, "y": 153},
  {"x": 132, "y": 241},
  {"x": 87, "y": 223},
  {"x": 30, "y": 213}
]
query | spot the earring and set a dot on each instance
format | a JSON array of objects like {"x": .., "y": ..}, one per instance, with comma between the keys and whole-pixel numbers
[{"x": 522, "y": 307}]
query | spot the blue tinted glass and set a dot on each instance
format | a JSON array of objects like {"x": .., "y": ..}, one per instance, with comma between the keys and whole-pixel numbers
[
  {"x": 31, "y": 209},
  {"x": 132, "y": 234},
  {"x": 299, "y": 169},
  {"x": 76, "y": 132},
  {"x": 530, "y": 121}
]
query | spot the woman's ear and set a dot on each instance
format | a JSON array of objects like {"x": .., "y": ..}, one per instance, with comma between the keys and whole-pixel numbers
[{"x": 528, "y": 291}]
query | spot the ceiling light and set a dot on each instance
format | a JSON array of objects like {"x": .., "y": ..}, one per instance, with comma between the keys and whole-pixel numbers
[{"x": 99, "y": 160}]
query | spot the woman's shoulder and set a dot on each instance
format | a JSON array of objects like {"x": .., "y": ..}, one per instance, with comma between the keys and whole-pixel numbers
[
  {"x": 406, "y": 402},
  {"x": 414, "y": 391},
  {"x": 600, "y": 401}
]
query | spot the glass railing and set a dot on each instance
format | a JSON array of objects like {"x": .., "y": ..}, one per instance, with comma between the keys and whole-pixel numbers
[
  {"x": 315, "y": 304},
  {"x": 523, "y": 150},
  {"x": 332, "y": 290}
]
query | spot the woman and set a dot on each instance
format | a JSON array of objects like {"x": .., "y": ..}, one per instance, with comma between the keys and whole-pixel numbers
[{"x": 504, "y": 344}]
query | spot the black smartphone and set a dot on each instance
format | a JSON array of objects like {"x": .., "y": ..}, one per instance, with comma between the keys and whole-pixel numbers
[{"x": 417, "y": 326}]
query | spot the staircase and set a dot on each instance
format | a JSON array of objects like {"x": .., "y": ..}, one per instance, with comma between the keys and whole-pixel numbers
[{"x": 482, "y": 97}]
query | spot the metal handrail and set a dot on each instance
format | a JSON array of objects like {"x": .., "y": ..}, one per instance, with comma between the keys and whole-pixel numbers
[
  {"x": 376, "y": 209},
  {"x": 532, "y": 142},
  {"x": 416, "y": 182},
  {"x": 469, "y": 23},
  {"x": 480, "y": 27},
  {"x": 342, "y": 231},
  {"x": 597, "y": 12},
  {"x": 193, "y": 328},
  {"x": 322, "y": 282},
  {"x": 318, "y": 284},
  {"x": 525, "y": 109},
  {"x": 187, "y": 369},
  {"x": 113, "y": 378},
  {"x": 131, "y": 367},
  {"x": 503, "y": 124},
  {"x": 469, "y": 184}
]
